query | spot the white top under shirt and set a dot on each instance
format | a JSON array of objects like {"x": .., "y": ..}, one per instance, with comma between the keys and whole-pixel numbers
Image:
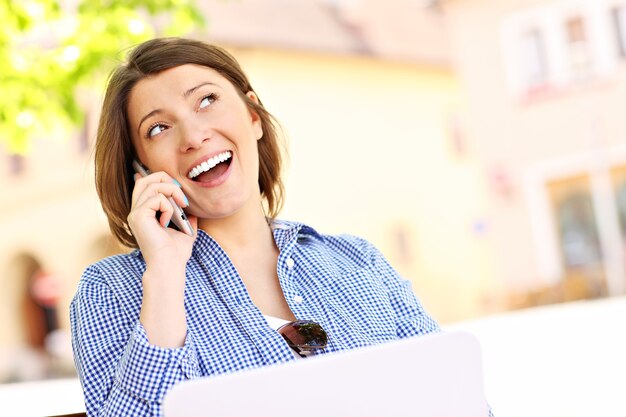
[{"x": 275, "y": 323}]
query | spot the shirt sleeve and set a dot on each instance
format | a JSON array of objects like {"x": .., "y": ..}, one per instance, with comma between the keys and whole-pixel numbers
[
  {"x": 121, "y": 373},
  {"x": 411, "y": 318}
]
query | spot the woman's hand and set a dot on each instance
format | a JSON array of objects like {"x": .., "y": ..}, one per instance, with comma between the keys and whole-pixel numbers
[
  {"x": 159, "y": 244},
  {"x": 166, "y": 252}
]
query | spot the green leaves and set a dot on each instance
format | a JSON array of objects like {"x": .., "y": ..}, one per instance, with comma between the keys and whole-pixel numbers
[{"x": 49, "y": 48}]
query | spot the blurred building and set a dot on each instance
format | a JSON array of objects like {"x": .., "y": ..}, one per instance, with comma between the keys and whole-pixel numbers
[
  {"x": 370, "y": 107},
  {"x": 544, "y": 83}
]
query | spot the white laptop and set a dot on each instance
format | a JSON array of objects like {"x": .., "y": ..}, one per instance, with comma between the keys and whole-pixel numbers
[{"x": 436, "y": 375}]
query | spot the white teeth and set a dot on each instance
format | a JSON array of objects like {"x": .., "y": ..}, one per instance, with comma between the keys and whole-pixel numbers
[{"x": 207, "y": 165}]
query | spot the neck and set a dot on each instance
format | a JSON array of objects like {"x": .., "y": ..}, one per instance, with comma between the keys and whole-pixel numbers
[{"x": 247, "y": 229}]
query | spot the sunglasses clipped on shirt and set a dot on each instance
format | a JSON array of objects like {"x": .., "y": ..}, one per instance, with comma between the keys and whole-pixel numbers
[{"x": 303, "y": 336}]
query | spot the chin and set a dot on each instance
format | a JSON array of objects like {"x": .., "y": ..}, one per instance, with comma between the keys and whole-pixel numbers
[{"x": 218, "y": 211}]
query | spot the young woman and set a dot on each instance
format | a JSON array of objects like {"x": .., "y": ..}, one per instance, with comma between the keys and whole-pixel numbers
[{"x": 183, "y": 306}]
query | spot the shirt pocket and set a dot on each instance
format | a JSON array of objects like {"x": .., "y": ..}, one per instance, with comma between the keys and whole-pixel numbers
[{"x": 362, "y": 307}]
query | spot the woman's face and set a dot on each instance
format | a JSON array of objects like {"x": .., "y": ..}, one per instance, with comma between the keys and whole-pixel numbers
[{"x": 191, "y": 122}]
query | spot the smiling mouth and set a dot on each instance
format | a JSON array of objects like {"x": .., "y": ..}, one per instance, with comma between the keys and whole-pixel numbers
[{"x": 212, "y": 168}]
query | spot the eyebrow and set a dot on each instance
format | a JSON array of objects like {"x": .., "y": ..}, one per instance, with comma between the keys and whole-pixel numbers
[
  {"x": 194, "y": 89},
  {"x": 143, "y": 119},
  {"x": 185, "y": 95}
]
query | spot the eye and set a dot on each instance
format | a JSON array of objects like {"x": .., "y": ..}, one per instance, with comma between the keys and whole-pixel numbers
[
  {"x": 207, "y": 101},
  {"x": 155, "y": 130}
]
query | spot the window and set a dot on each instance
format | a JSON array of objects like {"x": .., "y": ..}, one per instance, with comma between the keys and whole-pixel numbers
[
  {"x": 619, "y": 25},
  {"x": 578, "y": 236},
  {"x": 534, "y": 59},
  {"x": 578, "y": 231},
  {"x": 561, "y": 44},
  {"x": 577, "y": 48},
  {"x": 618, "y": 175},
  {"x": 620, "y": 200}
]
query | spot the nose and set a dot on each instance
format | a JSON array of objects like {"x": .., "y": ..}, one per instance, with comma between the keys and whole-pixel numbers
[{"x": 193, "y": 133}]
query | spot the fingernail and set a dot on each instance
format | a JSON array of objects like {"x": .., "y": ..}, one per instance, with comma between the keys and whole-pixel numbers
[
  {"x": 186, "y": 200},
  {"x": 168, "y": 223},
  {"x": 176, "y": 182}
]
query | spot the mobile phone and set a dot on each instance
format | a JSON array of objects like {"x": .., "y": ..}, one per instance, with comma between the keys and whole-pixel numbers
[{"x": 179, "y": 218}]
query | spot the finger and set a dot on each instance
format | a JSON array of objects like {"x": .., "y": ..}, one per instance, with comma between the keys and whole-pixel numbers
[
  {"x": 159, "y": 176},
  {"x": 152, "y": 205},
  {"x": 145, "y": 214},
  {"x": 179, "y": 195},
  {"x": 164, "y": 207},
  {"x": 180, "y": 198},
  {"x": 166, "y": 216},
  {"x": 155, "y": 177},
  {"x": 145, "y": 192}
]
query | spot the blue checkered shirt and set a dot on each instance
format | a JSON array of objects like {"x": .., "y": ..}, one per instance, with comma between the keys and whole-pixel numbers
[{"x": 341, "y": 282}]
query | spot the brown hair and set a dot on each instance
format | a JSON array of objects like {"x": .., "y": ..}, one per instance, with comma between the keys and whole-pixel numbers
[{"x": 114, "y": 151}]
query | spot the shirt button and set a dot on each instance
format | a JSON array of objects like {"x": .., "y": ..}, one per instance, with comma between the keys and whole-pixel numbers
[
  {"x": 298, "y": 299},
  {"x": 290, "y": 263}
]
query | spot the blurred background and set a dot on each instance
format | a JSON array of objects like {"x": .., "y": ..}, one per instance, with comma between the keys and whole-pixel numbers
[{"x": 478, "y": 143}]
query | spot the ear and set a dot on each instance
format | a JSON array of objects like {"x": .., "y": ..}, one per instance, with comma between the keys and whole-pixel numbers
[{"x": 257, "y": 126}]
